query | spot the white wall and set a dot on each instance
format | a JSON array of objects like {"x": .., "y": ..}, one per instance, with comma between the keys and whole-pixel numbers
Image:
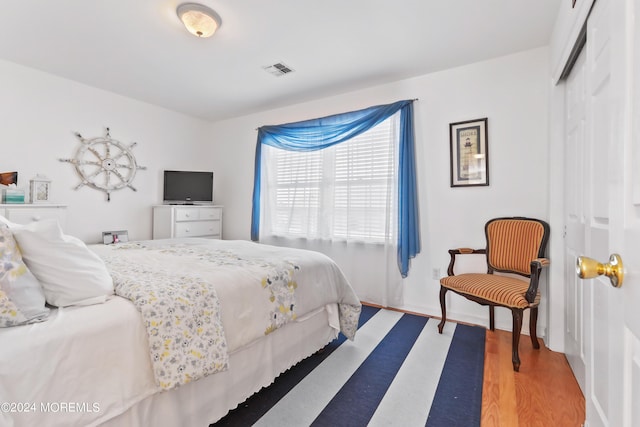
[
  {"x": 40, "y": 114},
  {"x": 512, "y": 92}
]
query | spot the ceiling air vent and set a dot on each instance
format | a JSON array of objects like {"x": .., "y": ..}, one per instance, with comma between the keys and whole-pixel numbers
[{"x": 278, "y": 69}]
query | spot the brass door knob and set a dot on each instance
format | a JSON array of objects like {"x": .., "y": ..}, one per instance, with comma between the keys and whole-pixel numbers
[{"x": 588, "y": 268}]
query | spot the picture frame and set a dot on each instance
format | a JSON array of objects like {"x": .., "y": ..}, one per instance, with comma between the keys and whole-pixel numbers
[
  {"x": 40, "y": 189},
  {"x": 113, "y": 237},
  {"x": 469, "y": 153},
  {"x": 8, "y": 178}
]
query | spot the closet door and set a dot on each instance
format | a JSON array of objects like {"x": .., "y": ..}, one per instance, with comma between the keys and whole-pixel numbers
[{"x": 602, "y": 215}]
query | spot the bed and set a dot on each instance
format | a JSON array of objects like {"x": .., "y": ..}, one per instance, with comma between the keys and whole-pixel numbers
[{"x": 111, "y": 363}]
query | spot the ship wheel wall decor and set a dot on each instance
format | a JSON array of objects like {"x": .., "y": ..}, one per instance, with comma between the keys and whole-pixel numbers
[{"x": 105, "y": 164}]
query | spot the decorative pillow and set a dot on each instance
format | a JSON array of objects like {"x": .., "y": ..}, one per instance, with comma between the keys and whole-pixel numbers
[
  {"x": 21, "y": 297},
  {"x": 10, "y": 314},
  {"x": 68, "y": 271}
]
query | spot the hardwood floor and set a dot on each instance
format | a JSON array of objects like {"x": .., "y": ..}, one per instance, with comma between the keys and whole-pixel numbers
[{"x": 544, "y": 392}]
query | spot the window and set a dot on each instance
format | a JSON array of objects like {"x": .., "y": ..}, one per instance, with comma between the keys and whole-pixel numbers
[
  {"x": 336, "y": 193},
  {"x": 344, "y": 192}
]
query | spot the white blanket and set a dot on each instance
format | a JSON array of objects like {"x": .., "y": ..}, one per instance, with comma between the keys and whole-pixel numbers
[{"x": 179, "y": 287}]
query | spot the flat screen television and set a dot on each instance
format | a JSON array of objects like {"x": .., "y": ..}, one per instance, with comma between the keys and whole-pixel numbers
[{"x": 188, "y": 187}]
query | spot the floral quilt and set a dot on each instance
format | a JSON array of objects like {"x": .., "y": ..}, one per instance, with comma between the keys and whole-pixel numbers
[{"x": 201, "y": 299}]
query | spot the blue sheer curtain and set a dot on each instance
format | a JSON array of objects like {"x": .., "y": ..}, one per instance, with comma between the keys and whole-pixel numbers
[{"x": 316, "y": 134}]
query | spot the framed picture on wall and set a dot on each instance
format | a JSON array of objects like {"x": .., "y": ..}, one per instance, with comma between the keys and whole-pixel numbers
[
  {"x": 8, "y": 178},
  {"x": 469, "y": 153}
]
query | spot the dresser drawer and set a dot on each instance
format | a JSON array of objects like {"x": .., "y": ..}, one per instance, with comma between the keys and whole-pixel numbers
[
  {"x": 27, "y": 215},
  {"x": 186, "y": 214},
  {"x": 210, "y": 213},
  {"x": 183, "y": 214},
  {"x": 197, "y": 228}
]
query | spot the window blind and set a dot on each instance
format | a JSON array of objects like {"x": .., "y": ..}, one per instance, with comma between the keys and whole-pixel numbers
[{"x": 341, "y": 192}]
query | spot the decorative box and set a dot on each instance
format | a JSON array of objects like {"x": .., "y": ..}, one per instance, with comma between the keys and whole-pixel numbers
[
  {"x": 12, "y": 196},
  {"x": 40, "y": 189}
]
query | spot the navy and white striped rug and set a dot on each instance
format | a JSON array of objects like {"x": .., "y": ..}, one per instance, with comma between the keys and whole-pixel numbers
[{"x": 398, "y": 371}]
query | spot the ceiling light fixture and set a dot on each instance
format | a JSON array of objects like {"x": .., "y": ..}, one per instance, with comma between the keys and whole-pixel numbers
[{"x": 199, "y": 20}]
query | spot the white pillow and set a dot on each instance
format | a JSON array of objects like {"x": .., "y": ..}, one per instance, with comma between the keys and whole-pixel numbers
[{"x": 68, "y": 271}]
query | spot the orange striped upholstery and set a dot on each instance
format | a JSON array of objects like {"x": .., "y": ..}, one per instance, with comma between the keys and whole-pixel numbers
[
  {"x": 501, "y": 290},
  {"x": 513, "y": 243}
]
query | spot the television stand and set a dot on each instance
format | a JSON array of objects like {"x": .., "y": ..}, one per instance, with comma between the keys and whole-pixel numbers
[{"x": 172, "y": 221}]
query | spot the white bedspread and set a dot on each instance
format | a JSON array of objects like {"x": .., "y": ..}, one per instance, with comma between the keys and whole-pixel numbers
[{"x": 251, "y": 281}]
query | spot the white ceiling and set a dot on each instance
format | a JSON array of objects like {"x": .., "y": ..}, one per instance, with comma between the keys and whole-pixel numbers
[{"x": 139, "y": 48}]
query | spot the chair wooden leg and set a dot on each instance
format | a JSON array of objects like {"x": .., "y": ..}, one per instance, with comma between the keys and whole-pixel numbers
[
  {"x": 492, "y": 323},
  {"x": 443, "y": 306},
  {"x": 533, "y": 322},
  {"x": 515, "y": 333}
]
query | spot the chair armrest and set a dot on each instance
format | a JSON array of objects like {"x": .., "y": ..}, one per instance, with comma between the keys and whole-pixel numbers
[
  {"x": 536, "y": 267},
  {"x": 461, "y": 251},
  {"x": 543, "y": 262}
]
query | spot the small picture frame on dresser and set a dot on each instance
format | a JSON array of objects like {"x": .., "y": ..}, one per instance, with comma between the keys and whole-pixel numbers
[
  {"x": 113, "y": 237},
  {"x": 40, "y": 189}
]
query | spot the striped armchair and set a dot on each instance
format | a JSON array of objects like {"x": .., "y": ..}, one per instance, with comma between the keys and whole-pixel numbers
[{"x": 514, "y": 245}]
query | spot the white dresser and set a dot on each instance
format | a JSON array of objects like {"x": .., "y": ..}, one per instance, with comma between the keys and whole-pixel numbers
[
  {"x": 26, "y": 213},
  {"x": 170, "y": 221}
]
